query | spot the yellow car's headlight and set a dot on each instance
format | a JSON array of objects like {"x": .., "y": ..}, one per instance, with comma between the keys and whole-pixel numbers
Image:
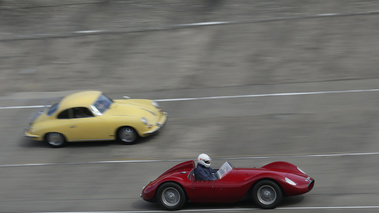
[{"x": 144, "y": 121}]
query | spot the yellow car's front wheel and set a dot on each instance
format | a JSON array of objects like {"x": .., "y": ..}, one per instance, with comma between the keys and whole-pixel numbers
[{"x": 127, "y": 135}]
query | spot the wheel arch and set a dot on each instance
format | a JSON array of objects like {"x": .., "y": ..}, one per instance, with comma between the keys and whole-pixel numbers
[{"x": 249, "y": 192}]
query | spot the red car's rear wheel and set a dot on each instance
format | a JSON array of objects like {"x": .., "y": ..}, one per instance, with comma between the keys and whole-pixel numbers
[
  {"x": 171, "y": 196},
  {"x": 267, "y": 194}
]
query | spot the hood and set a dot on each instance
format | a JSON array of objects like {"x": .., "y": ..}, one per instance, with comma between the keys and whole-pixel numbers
[
  {"x": 285, "y": 167},
  {"x": 144, "y": 103},
  {"x": 125, "y": 109},
  {"x": 132, "y": 106}
]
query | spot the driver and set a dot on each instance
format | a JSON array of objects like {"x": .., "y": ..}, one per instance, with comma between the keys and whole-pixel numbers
[{"x": 203, "y": 171}]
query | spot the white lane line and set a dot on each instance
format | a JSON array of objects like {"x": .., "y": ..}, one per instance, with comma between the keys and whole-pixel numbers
[
  {"x": 231, "y": 209},
  {"x": 269, "y": 95},
  {"x": 181, "y": 160},
  {"x": 232, "y": 96},
  {"x": 329, "y": 207},
  {"x": 205, "y": 23},
  {"x": 24, "y": 107},
  {"x": 89, "y": 31},
  {"x": 329, "y": 14}
]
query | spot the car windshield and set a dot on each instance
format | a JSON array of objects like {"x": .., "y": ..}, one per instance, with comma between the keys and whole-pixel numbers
[
  {"x": 224, "y": 169},
  {"x": 101, "y": 105}
]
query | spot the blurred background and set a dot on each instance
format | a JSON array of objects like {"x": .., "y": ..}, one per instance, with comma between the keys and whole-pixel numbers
[
  {"x": 172, "y": 49},
  {"x": 141, "y": 46}
]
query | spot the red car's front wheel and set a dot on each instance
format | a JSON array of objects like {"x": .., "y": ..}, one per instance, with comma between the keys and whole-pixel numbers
[
  {"x": 171, "y": 196},
  {"x": 267, "y": 194}
]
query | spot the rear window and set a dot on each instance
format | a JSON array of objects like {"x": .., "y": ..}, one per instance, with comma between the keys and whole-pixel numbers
[{"x": 52, "y": 109}]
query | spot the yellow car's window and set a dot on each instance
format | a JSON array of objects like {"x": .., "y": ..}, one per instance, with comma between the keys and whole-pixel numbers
[
  {"x": 52, "y": 109},
  {"x": 81, "y": 112}
]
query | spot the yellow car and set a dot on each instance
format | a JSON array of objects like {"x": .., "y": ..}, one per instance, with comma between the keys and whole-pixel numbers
[{"x": 92, "y": 116}]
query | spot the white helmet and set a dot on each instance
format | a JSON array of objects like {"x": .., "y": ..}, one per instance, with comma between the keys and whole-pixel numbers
[{"x": 204, "y": 159}]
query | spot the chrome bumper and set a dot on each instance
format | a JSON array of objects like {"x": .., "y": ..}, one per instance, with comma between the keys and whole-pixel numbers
[{"x": 159, "y": 125}]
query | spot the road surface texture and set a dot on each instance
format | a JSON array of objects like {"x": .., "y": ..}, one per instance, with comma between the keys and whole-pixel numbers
[{"x": 246, "y": 81}]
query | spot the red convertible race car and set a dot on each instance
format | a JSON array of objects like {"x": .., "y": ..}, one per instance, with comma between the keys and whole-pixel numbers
[{"x": 265, "y": 186}]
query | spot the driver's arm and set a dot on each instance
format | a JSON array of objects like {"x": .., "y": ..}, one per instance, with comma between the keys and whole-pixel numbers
[{"x": 213, "y": 170}]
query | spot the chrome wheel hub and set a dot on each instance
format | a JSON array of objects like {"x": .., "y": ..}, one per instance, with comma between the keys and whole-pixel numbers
[
  {"x": 55, "y": 139},
  {"x": 266, "y": 194},
  {"x": 170, "y": 196},
  {"x": 127, "y": 135}
]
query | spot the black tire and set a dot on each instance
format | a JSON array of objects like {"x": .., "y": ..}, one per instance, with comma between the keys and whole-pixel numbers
[
  {"x": 267, "y": 194},
  {"x": 55, "y": 139},
  {"x": 171, "y": 196},
  {"x": 127, "y": 135}
]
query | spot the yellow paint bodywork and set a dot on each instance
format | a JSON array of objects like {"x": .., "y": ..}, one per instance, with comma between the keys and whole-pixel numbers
[{"x": 122, "y": 112}]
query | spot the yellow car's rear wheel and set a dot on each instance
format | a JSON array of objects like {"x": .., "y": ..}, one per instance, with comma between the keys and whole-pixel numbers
[
  {"x": 55, "y": 139},
  {"x": 127, "y": 135}
]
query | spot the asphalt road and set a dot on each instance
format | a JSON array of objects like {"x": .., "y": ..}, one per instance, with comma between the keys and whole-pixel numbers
[{"x": 302, "y": 90}]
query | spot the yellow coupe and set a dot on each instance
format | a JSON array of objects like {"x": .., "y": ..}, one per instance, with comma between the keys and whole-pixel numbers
[{"x": 92, "y": 116}]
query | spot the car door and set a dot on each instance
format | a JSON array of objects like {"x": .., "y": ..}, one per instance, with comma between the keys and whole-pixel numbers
[
  {"x": 82, "y": 125},
  {"x": 212, "y": 191},
  {"x": 220, "y": 190},
  {"x": 201, "y": 191}
]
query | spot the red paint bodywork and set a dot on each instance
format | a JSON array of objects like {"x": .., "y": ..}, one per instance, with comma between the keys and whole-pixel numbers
[{"x": 234, "y": 185}]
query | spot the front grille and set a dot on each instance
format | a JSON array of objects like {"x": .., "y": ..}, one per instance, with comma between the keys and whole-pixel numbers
[{"x": 310, "y": 185}]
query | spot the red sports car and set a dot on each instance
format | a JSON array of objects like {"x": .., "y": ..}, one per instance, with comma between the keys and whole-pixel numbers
[{"x": 265, "y": 186}]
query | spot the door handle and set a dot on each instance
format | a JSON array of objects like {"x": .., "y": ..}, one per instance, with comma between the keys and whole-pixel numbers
[{"x": 72, "y": 126}]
